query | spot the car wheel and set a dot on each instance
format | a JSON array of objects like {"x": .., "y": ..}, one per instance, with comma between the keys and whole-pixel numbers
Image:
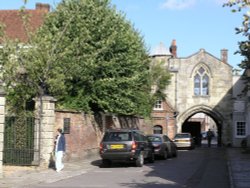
[
  {"x": 151, "y": 158},
  {"x": 106, "y": 163},
  {"x": 175, "y": 153},
  {"x": 139, "y": 161},
  {"x": 165, "y": 155}
]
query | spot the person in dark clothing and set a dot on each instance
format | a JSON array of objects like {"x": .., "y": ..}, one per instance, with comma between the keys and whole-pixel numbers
[{"x": 209, "y": 137}]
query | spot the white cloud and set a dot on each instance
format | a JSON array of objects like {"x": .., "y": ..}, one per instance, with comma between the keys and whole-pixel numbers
[{"x": 178, "y": 4}]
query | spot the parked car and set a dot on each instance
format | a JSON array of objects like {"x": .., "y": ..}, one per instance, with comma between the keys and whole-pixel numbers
[
  {"x": 163, "y": 146},
  {"x": 184, "y": 140},
  {"x": 126, "y": 145}
]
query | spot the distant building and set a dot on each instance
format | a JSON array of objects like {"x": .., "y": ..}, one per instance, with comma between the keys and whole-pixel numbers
[
  {"x": 200, "y": 83},
  {"x": 241, "y": 110}
]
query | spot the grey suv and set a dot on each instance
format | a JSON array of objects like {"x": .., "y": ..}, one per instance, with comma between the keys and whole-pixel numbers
[{"x": 126, "y": 145}]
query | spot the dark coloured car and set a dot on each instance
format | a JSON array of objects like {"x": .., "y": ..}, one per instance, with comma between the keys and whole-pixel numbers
[
  {"x": 126, "y": 145},
  {"x": 163, "y": 146}
]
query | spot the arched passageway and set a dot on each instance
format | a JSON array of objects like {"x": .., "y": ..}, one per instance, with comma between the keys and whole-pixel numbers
[{"x": 198, "y": 120}]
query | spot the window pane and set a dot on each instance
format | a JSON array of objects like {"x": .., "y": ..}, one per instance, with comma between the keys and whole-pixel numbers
[
  {"x": 205, "y": 82},
  {"x": 157, "y": 129},
  {"x": 66, "y": 125},
  {"x": 241, "y": 129},
  {"x": 201, "y": 70},
  {"x": 158, "y": 104},
  {"x": 197, "y": 84}
]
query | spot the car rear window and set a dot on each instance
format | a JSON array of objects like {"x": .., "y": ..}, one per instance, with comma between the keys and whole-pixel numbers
[
  {"x": 117, "y": 136},
  {"x": 154, "y": 139},
  {"x": 182, "y": 136}
]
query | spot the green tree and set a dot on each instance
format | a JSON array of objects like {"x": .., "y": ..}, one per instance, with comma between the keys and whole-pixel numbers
[
  {"x": 88, "y": 56},
  {"x": 160, "y": 77},
  {"x": 244, "y": 46}
]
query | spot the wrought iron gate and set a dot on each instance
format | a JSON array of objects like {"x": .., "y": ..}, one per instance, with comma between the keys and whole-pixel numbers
[{"x": 19, "y": 141}]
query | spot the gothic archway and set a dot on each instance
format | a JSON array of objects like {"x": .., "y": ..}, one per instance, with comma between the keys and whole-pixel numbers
[{"x": 215, "y": 115}]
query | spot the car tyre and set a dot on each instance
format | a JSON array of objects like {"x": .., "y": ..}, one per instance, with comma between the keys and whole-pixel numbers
[
  {"x": 139, "y": 161},
  {"x": 151, "y": 158},
  {"x": 175, "y": 153},
  {"x": 106, "y": 163},
  {"x": 165, "y": 155}
]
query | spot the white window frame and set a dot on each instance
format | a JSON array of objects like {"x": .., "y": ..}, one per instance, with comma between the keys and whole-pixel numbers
[
  {"x": 237, "y": 123},
  {"x": 158, "y": 105}
]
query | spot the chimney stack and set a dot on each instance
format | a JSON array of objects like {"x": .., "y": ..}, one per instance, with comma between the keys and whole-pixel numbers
[
  {"x": 173, "y": 48},
  {"x": 224, "y": 56},
  {"x": 43, "y": 7}
]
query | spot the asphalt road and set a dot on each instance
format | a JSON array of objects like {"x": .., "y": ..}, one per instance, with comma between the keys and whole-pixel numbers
[{"x": 199, "y": 168}]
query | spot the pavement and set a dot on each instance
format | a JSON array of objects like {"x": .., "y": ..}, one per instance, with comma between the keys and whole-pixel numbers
[
  {"x": 239, "y": 167},
  {"x": 18, "y": 177}
]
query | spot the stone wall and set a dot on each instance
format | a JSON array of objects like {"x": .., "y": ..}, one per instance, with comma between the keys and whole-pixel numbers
[
  {"x": 2, "y": 115},
  {"x": 44, "y": 130}
]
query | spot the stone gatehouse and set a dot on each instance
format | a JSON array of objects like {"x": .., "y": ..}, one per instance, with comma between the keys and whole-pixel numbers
[{"x": 200, "y": 83}]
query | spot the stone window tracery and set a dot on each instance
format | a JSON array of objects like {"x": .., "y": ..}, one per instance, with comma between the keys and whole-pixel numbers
[{"x": 201, "y": 82}]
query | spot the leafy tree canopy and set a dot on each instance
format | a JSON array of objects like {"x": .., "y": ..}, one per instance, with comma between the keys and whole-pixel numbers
[
  {"x": 88, "y": 56},
  {"x": 244, "y": 46}
]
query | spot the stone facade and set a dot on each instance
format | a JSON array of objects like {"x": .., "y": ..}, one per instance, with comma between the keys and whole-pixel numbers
[
  {"x": 44, "y": 130},
  {"x": 217, "y": 103},
  {"x": 2, "y": 116},
  {"x": 241, "y": 112}
]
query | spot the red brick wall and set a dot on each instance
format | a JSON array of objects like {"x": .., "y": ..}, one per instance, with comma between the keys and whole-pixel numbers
[
  {"x": 165, "y": 119},
  {"x": 82, "y": 138},
  {"x": 85, "y": 131}
]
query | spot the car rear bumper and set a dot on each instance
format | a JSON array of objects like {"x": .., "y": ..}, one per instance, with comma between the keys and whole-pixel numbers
[
  {"x": 121, "y": 156},
  {"x": 183, "y": 144},
  {"x": 158, "y": 152}
]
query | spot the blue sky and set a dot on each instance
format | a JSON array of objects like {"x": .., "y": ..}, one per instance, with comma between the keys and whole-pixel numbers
[{"x": 194, "y": 24}]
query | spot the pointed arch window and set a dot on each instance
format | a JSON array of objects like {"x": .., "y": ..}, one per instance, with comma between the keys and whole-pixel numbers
[{"x": 201, "y": 82}]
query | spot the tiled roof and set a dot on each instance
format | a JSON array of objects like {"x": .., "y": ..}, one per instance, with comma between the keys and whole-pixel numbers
[{"x": 14, "y": 24}]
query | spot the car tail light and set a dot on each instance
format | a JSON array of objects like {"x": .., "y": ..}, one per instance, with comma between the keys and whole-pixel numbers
[
  {"x": 133, "y": 146},
  {"x": 101, "y": 147}
]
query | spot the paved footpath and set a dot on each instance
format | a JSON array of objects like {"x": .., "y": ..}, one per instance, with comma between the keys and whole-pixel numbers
[
  {"x": 238, "y": 165},
  {"x": 25, "y": 177}
]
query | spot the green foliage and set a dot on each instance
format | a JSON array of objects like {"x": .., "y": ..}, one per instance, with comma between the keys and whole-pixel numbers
[
  {"x": 160, "y": 78},
  {"x": 244, "y": 47},
  {"x": 89, "y": 57},
  {"x": 104, "y": 59}
]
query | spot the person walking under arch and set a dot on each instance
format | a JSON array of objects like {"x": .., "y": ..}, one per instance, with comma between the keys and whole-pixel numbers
[{"x": 209, "y": 137}]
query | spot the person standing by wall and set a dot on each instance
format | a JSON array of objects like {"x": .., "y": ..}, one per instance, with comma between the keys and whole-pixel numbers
[{"x": 59, "y": 150}]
